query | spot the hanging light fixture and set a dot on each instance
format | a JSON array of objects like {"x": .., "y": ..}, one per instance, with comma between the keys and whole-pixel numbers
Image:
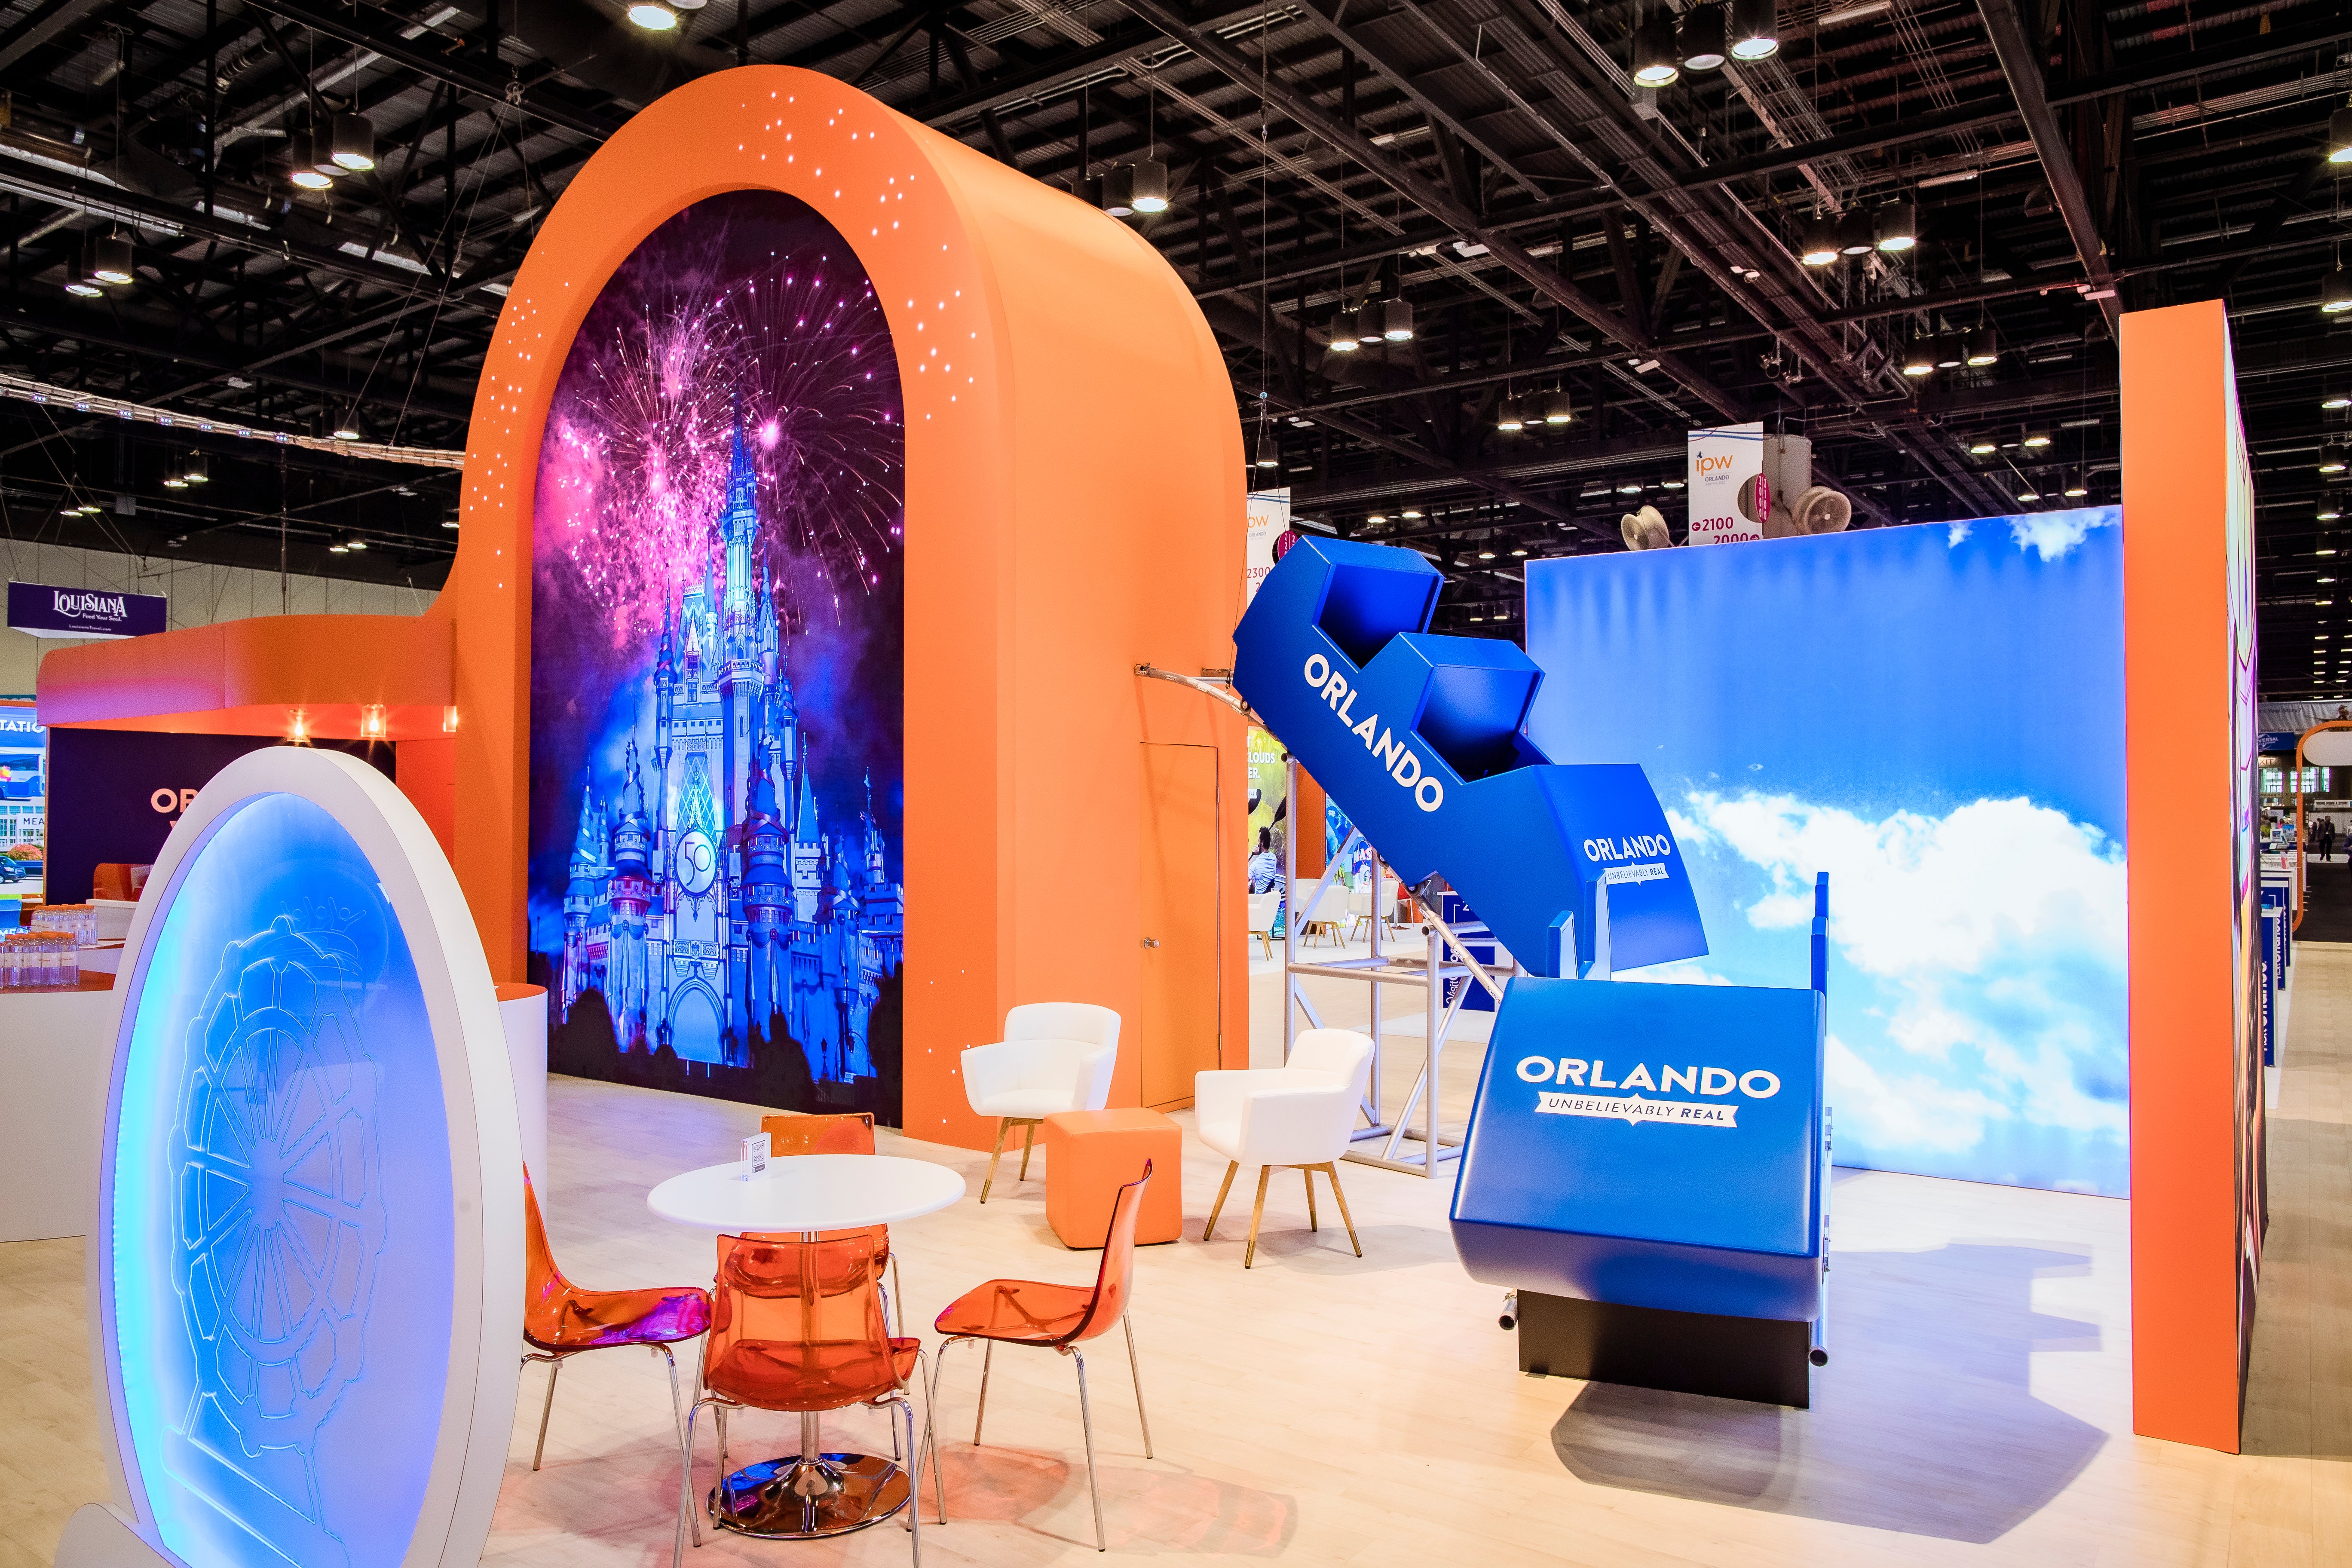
[
  {"x": 1980, "y": 348},
  {"x": 1148, "y": 186},
  {"x": 2336, "y": 293},
  {"x": 1819, "y": 245},
  {"x": 1949, "y": 355},
  {"x": 1755, "y": 29},
  {"x": 1343, "y": 330},
  {"x": 1371, "y": 325},
  {"x": 301, "y": 153},
  {"x": 2035, "y": 440},
  {"x": 1376, "y": 518},
  {"x": 355, "y": 542},
  {"x": 347, "y": 425},
  {"x": 2076, "y": 491},
  {"x": 175, "y": 482},
  {"x": 653, "y": 16},
  {"x": 339, "y": 548},
  {"x": 109, "y": 260},
  {"x": 1898, "y": 226},
  {"x": 2331, "y": 458},
  {"x": 1118, "y": 189},
  {"x": 1919, "y": 359},
  {"x": 1268, "y": 457},
  {"x": 353, "y": 143},
  {"x": 1704, "y": 32},
  {"x": 195, "y": 470},
  {"x": 1856, "y": 233},
  {"x": 1984, "y": 446},
  {"x": 1510, "y": 418},
  {"x": 1557, "y": 409},
  {"x": 79, "y": 281},
  {"x": 2029, "y": 494},
  {"x": 1396, "y": 320},
  {"x": 2336, "y": 400},
  {"x": 1412, "y": 514},
  {"x": 2339, "y": 136},
  {"x": 1088, "y": 189},
  {"x": 1655, "y": 64}
]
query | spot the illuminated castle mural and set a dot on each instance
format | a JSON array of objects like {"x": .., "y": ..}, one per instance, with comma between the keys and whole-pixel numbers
[
  {"x": 716, "y": 902},
  {"x": 704, "y": 891}
]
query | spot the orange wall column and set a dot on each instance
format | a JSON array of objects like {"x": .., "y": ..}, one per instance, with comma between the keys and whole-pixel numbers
[{"x": 2181, "y": 453}]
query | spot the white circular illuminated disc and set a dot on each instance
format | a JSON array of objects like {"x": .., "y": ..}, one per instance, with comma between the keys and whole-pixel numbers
[{"x": 306, "y": 1265}]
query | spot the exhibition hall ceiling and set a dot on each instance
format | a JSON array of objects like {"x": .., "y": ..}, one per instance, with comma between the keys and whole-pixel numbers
[{"x": 1567, "y": 240}]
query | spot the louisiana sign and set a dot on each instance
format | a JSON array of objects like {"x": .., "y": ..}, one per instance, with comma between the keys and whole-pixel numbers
[{"x": 47, "y": 610}]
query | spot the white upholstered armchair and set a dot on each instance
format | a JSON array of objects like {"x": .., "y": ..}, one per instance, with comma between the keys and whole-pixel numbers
[
  {"x": 1301, "y": 1114},
  {"x": 1054, "y": 1057}
]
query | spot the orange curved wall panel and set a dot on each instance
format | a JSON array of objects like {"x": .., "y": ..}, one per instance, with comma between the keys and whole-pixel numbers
[{"x": 1073, "y": 508}]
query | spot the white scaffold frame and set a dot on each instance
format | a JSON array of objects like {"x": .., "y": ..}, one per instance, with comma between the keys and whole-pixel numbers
[{"x": 1446, "y": 958}]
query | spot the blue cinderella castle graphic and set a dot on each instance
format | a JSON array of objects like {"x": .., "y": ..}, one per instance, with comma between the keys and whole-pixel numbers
[{"x": 706, "y": 900}]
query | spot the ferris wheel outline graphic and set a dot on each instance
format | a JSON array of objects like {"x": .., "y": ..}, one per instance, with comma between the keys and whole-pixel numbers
[{"x": 279, "y": 1215}]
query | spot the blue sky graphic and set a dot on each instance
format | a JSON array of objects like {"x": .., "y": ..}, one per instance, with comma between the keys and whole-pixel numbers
[{"x": 1933, "y": 715}]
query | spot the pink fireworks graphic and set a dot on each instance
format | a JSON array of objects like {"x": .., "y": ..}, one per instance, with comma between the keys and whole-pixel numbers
[{"x": 715, "y": 326}]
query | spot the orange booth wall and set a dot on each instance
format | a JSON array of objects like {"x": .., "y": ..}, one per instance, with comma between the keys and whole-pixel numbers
[
  {"x": 1074, "y": 510},
  {"x": 2197, "y": 1130}
]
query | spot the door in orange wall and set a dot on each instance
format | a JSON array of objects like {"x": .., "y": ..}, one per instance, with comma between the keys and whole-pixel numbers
[{"x": 1177, "y": 883}]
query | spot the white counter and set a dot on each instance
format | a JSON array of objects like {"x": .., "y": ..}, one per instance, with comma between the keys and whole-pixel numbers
[{"x": 56, "y": 1048}]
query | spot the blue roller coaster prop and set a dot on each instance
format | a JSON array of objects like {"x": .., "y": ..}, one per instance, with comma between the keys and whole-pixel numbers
[
  {"x": 1420, "y": 739},
  {"x": 1646, "y": 1166}
]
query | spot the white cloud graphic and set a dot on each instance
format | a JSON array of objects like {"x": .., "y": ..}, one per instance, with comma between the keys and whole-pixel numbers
[
  {"x": 2053, "y": 533},
  {"x": 1984, "y": 954}
]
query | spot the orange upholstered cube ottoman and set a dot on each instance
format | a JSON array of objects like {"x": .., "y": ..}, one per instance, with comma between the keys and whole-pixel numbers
[{"x": 1090, "y": 1155}]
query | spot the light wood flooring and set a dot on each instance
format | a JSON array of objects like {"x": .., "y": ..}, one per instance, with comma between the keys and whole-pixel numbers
[{"x": 1322, "y": 1409}]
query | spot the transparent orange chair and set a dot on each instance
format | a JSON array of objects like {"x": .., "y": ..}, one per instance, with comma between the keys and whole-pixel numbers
[
  {"x": 797, "y": 1326},
  {"x": 1058, "y": 1318},
  {"x": 849, "y": 1134},
  {"x": 560, "y": 1319}
]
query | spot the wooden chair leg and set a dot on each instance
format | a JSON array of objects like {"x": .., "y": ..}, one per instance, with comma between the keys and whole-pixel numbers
[
  {"x": 1308, "y": 1172},
  {"x": 1249, "y": 1254},
  {"x": 1333, "y": 1171},
  {"x": 1028, "y": 1142},
  {"x": 1004, "y": 1125},
  {"x": 1218, "y": 1207}
]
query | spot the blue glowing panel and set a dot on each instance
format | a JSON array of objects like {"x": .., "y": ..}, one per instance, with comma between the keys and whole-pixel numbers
[{"x": 281, "y": 1207}]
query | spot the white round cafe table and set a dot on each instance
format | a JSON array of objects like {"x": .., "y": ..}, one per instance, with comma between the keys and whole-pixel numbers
[
  {"x": 813, "y": 1493},
  {"x": 807, "y": 1192}
]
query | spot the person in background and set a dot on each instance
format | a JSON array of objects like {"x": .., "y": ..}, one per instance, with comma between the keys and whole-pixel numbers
[
  {"x": 1265, "y": 865},
  {"x": 2327, "y": 837}
]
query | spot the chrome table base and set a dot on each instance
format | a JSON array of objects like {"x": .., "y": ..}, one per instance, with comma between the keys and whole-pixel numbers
[{"x": 791, "y": 1499}]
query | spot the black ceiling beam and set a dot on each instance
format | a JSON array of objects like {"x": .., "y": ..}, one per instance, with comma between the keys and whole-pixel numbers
[
  {"x": 2021, "y": 64},
  {"x": 1295, "y": 106},
  {"x": 352, "y": 27}
]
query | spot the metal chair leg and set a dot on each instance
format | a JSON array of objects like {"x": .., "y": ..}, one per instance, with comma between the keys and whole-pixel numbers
[
  {"x": 1135, "y": 1369},
  {"x": 915, "y": 1494},
  {"x": 1217, "y": 1209},
  {"x": 1332, "y": 1171},
  {"x": 987, "y": 1360},
  {"x": 1086, "y": 1423},
  {"x": 1249, "y": 1255},
  {"x": 685, "y": 1495},
  {"x": 897, "y": 1312},
  {"x": 930, "y": 1417},
  {"x": 554, "y": 1366}
]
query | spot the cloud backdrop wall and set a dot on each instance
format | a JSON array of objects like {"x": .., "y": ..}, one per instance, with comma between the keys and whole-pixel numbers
[{"x": 1934, "y": 715}]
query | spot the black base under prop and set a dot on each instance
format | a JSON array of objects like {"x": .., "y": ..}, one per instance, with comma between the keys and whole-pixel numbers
[{"x": 1763, "y": 1359}]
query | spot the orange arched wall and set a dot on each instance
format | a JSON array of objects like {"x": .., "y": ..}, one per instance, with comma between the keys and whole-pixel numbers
[{"x": 1073, "y": 508}]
